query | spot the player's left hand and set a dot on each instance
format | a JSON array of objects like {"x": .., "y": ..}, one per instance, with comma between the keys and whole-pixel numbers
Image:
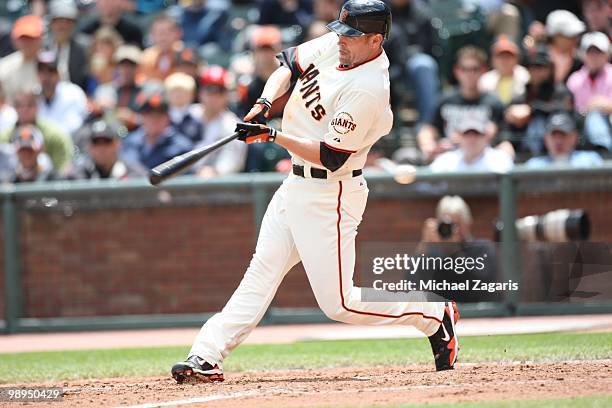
[
  {"x": 255, "y": 132},
  {"x": 260, "y": 112}
]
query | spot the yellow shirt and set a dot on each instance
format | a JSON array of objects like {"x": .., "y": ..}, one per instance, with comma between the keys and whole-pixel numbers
[{"x": 504, "y": 89}]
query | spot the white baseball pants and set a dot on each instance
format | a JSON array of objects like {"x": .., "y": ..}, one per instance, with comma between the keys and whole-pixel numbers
[{"x": 314, "y": 221}]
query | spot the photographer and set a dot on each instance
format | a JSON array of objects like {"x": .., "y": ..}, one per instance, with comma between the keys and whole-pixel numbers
[{"x": 449, "y": 236}]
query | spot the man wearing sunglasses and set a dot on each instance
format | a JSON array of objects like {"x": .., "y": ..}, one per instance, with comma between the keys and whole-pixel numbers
[
  {"x": 338, "y": 108},
  {"x": 102, "y": 158}
]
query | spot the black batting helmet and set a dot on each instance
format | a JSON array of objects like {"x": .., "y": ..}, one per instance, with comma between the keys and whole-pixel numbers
[{"x": 359, "y": 17}]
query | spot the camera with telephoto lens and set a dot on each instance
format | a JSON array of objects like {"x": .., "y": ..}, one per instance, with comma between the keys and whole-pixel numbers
[
  {"x": 555, "y": 226},
  {"x": 445, "y": 228}
]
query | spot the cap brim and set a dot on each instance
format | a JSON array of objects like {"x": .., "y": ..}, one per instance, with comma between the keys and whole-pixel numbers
[
  {"x": 341, "y": 28},
  {"x": 473, "y": 129},
  {"x": 562, "y": 129}
]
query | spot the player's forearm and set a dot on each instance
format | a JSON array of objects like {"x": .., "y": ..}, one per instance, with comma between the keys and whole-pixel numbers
[
  {"x": 277, "y": 84},
  {"x": 309, "y": 150}
]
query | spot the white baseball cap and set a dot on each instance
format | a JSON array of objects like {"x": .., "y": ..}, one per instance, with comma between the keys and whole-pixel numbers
[
  {"x": 597, "y": 40},
  {"x": 565, "y": 23}
]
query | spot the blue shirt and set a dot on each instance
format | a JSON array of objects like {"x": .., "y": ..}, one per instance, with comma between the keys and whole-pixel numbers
[
  {"x": 576, "y": 159},
  {"x": 171, "y": 143}
]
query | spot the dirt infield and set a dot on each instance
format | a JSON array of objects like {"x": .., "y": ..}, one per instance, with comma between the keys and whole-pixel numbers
[{"x": 353, "y": 386}]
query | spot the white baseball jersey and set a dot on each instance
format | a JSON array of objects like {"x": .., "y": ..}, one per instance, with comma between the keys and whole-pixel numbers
[
  {"x": 347, "y": 109},
  {"x": 315, "y": 220}
]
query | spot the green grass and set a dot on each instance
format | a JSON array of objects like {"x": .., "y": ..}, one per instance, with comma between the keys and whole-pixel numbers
[
  {"x": 69, "y": 365},
  {"x": 577, "y": 402}
]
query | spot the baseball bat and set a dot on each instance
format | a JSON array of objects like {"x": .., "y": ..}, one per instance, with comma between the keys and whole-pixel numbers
[{"x": 179, "y": 163}]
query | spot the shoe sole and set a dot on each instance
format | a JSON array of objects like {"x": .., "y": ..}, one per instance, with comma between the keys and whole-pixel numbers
[
  {"x": 454, "y": 316},
  {"x": 189, "y": 375}
]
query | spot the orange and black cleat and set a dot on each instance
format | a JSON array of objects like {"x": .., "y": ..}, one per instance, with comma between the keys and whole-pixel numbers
[
  {"x": 196, "y": 370},
  {"x": 445, "y": 343}
]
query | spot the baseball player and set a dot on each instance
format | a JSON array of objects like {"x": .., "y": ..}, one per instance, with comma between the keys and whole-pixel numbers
[{"x": 338, "y": 108}]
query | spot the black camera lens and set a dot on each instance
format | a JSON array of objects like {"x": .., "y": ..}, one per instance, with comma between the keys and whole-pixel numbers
[{"x": 445, "y": 229}]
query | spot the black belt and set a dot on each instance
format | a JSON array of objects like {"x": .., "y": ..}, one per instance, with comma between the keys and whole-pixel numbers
[{"x": 318, "y": 173}]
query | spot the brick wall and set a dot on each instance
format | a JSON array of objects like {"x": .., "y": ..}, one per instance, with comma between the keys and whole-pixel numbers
[
  {"x": 189, "y": 260},
  {"x": 163, "y": 260}
]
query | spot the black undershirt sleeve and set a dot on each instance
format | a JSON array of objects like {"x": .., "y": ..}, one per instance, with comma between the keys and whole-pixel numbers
[
  {"x": 332, "y": 159},
  {"x": 287, "y": 57}
]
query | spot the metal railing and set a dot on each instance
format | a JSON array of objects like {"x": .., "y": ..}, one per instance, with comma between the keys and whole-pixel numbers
[{"x": 257, "y": 189}]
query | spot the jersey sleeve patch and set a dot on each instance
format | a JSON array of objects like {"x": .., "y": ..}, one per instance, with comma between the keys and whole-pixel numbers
[{"x": 351, "y": 121}]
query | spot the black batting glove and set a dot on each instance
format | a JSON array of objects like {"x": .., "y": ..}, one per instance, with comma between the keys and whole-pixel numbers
[
  {"x": 259, "y": 113},
  {"x": 255, "y": 132}
]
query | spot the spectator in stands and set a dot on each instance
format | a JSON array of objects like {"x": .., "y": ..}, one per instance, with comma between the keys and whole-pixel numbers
[
  {"x": 436, "y": 136},
  {"x": 33, "y": 164},
  {"x": 449, "y": 235},
  {"x": 592, "y": 89},
  {"x": 561, "y": 139},
  {"x": 503, "y": 17},
  {"x": 156, "y": 141},
  {"x": 101, "y": 64},
  {"x": 18, "y": 69},
  {"x": 180, "y": 89},
  {"x": 62, "y": 103},
  {"x": 58, "y": 145},
  {"x": 203, "y": 22},
  {"x": 127, "y": 58},
  {"x": 507, "y": 79},
  {"x": 112, "y": 14},
  {"x": 326, "y": 11},
  {"x": 187, "y": 62},
  {"x": 102, "y": 158},
  {"x": 597, "y": 14},
  {"x": 410, "y": 48},
  {"x": 71, "y": 54},
  {"x": 474, "y": 152},
  {"x": 158, "y": 60},
  {"x": 265, "y": 44},
  {"x": 316, "y": 29},
  {"x": 563, "y": 30},
  {"x": 8, "y": 115},
  {"x": 219, "y": 122},
  {"x": 528, "y": 113},
  {"x": 285, "y": 13}
]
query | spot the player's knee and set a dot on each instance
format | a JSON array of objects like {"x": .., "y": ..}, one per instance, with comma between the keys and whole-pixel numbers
[{"x": 336, "y": 312}]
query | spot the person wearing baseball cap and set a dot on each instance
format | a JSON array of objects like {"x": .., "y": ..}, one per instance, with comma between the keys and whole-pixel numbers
[
  {"x": 265, "y": 43},
  {"x": 561, "y": 140},
  {"x": 592, "y": 89},
  {"x": 18, "y": 70},
  {"x": 563, "y": 30},
  {"x": 528, "y": 113},
  {"x": 102, "y": 159},
  {"x": 507, "y": 79},
  {"x": 126, "y": 59},
  {"x": 71, "y": 52},
  {"x": 62, "y": 103},
  {"x": 156, "y": 140},
  {"x": 218, "y": 121},
  {"x": 33, "y": 164},
  {"x": 474, "y": 152}
]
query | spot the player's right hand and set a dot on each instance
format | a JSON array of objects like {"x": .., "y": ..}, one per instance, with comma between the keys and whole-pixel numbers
[
  {"x": 260, "y": 112},
  {"x": 255, "y": 132}
]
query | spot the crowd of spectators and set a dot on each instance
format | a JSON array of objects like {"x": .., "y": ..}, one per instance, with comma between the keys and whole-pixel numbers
[{"x": 112, "y": 88}]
